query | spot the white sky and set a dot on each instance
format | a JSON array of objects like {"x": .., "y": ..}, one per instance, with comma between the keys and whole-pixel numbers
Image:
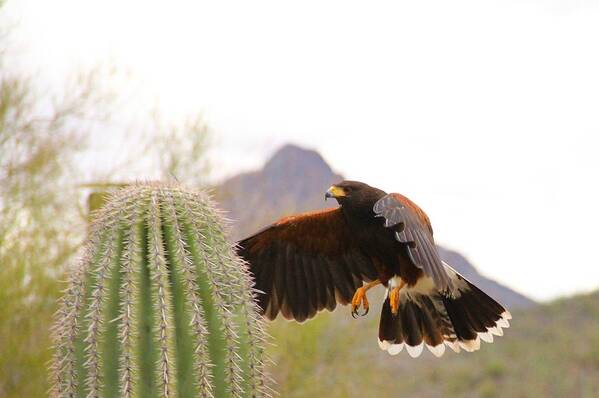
[{"x": 484, "y": 112}]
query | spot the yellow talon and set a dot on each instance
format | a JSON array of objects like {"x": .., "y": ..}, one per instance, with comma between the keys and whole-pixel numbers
[
  {"x": 394, "y": 300},
  {"x": 394, "y": 297},
  {"x": 360, "y": 299}
]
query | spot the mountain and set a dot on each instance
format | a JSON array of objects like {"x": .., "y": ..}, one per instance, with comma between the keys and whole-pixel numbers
[{"x": 294, "y": 180}]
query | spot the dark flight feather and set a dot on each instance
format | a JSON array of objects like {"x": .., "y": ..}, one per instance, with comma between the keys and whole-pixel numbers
[{"x": 310, "y": 261}]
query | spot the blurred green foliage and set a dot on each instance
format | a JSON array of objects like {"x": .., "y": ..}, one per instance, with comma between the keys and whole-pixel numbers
[
  {"x": 180, "y": 149},
  {"x": 41, "y": 225},
  {"x": 39, "y": 230}
]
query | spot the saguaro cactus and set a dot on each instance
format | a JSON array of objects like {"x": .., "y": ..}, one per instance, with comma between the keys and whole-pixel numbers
[{"x": 159, "y": 305}]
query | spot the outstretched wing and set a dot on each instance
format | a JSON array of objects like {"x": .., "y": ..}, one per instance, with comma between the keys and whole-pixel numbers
[
  {"x": 305, "y": 263},
  {"x": 413, "y": 228}
]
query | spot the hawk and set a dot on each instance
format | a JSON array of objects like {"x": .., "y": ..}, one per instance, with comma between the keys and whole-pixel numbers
[{"x": 305, "y": 263}]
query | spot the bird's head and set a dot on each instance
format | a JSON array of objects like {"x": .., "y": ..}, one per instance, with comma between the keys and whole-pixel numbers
[{"x": 354, "y": 193}]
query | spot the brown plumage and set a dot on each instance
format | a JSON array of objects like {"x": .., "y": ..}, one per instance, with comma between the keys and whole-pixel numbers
[{"x": 305, "y": 263}]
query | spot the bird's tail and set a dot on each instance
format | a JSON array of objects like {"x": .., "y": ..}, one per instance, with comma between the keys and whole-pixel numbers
[{"x": 429, "y": 317}]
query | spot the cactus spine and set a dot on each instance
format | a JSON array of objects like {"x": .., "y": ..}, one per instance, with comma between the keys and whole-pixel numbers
[{"x": 159, "y": 305}]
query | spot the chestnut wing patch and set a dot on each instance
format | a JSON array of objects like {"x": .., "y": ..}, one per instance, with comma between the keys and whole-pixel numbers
[{"x": 305, "y": 263}]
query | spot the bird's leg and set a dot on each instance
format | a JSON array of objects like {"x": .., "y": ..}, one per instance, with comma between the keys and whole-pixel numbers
[
  {"x": 394, "y": 297},
  {"x": 360, "y": 298}
]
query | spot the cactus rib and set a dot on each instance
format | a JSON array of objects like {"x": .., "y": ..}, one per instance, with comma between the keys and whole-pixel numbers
[{"x": 197, "y": 322}]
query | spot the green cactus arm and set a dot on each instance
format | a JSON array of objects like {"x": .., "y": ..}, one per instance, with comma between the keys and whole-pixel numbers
[{"x": 160, "y": 305}]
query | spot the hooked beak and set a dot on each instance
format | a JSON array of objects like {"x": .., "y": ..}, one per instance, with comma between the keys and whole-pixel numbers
[{"x": 334, "y": 192}]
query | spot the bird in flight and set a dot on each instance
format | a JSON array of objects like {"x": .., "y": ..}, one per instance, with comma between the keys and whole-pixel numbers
[{"x": 305, "y": 263}]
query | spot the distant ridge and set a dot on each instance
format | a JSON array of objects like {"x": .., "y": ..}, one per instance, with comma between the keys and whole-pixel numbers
[{"x": 294, "y": 180}]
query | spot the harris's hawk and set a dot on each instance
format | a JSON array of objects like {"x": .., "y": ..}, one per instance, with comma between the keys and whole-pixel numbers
[{"x": 307, "y": 262}]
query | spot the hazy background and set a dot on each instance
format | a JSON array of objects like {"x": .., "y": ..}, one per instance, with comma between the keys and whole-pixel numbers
[{"x": 486, "y": 113}]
